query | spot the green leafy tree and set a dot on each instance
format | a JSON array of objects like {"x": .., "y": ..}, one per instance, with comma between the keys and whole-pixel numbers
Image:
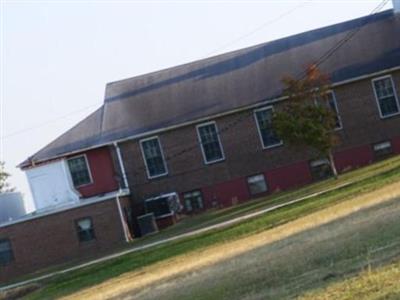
[
  {"x": 4, "y": 185},
  {"x": 305, "y": 119}
]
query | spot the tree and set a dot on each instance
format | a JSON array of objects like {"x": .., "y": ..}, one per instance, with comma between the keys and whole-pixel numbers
[
  {"x": 306, "y": 119},
  {"x": 4, "y": 185}
]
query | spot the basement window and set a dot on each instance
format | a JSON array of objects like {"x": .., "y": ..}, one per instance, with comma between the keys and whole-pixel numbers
[
  {"x": 257, "y": 184},
  {"x": 386, "y": 96},
  {"x": 266, "y": 131},
  {"x": 153, "y": 157},
  {"x": 85, "y": 230},
  {"x": 6, "y": 253},
  {"x": 320, "y": 169},
  {"x": 193, "y": 201},
  {"x": 383, "y": 149},
  {"x": 210, "y": 142},
  {"x": 79, "y": 169}
]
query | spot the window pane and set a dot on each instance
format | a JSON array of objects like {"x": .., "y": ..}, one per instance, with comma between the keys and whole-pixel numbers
[
  {"x": 257, "y": 184},
  {"x": 386, "y": 97},
  {"x": 383, "y": 149},
  {"x": 6, "y": 253},
  {"x": 85, "y": 230},
  {"x": 153, "y": 156},
  {"x": 333, "y": 107},
  {"x": 193, "y": 201},
  {"x": 320, "y": 169},
  {"x": 210, "y": 143},
  {"x": 268, "y": 135},
  {"x": 79, "y": 170}
]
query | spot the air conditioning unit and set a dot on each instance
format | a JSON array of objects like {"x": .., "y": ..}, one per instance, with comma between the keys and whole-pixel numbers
[
  {"x": 164, "y": 205},
  {"x": 147, "y": 224}
]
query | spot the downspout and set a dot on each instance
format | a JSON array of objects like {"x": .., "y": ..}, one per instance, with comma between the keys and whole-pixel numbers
[
  {"x": 127, "y": 235},
  {"x": 121, "y": 165}
]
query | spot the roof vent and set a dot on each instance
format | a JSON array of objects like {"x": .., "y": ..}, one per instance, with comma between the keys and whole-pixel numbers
[{"x": 396, "y": 6}]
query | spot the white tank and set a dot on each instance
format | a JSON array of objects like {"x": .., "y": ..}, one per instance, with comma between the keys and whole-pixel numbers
[{"x": 11, "y": 206}]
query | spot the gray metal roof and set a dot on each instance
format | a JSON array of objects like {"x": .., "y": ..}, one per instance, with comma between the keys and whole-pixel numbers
[{"x": 214, "y": 85}]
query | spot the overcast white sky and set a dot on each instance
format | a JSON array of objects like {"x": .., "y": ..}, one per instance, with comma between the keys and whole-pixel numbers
[{"x": 57, "y": 56}]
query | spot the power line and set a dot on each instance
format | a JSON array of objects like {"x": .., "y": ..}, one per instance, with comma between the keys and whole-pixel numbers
[
  {"x": 244, "y": 116},
  {"x": 47, "y": 122},
  {"x": 262, "y": 26},
  {"x": 346, "y": 39}
]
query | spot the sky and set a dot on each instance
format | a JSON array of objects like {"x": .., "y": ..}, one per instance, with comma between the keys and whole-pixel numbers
[{"x": 57, "y": 56}]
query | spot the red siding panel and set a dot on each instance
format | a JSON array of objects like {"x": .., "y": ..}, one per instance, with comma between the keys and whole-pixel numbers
[
  {"x": 396, "y": 145},
  {"x": 283, "y": 178},
  {"x": 103, "y": 173},
  {"x": 354, "y": 158},
  {"x": 226, "y": 193}
]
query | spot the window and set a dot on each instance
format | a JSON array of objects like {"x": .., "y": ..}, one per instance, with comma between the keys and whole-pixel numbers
[
  {"x": 153, "y": 157},
  {"x": 386, "y": 96},
  {"x": 210, "y": 143},
  {"x": 85, "y": 230},
  {"x": 6, "y": 253},
  {"x": 266, "y": 131},
  {"x": 257, "y": 184},
  {"x": 320, "y": 169},
  {"x": 193, "y": 201},
  {"x": 382, "y": 150},
  {"x": 79, "y": 169},
  {"x": 332, "y": 106}
]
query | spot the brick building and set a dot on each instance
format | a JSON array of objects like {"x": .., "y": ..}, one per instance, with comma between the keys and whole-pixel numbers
[{"x": 202, "y": 130}]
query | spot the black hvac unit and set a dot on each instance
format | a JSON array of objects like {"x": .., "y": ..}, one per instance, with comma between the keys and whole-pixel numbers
[{"x": 147, "y": 224}]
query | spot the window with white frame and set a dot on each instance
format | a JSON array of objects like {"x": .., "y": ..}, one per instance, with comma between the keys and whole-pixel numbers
[
  {"x": 266, "y": 131},
  {"x": 85, "y": 230},
  {"x": 6, "y": 253},
  {"x": 257, "y": 184},
  {"x": 320, "y": 169},
  {"x": 210, "y": 142},
  {"x": 386, "y": 96},
  {"x": 153, "y": 157},
  {"x": 79, "y": 169},
  {"x": 193, "y": 201},
  {"x": 331, "y": 104},
  {"x": 383, "y": 149}
]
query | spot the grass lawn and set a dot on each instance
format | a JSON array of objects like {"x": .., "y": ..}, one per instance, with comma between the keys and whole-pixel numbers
[
  {"x": 381, "y": 283},
  {"x": 369, "y": 179}
]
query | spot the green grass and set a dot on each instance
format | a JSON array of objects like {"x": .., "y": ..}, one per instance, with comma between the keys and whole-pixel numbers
[
  {"x": 381, "y": 283},
  {"x": 370, "y": 178}
]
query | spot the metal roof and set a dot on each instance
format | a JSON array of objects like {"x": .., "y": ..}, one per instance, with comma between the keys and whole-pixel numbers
[{"x": 225, "y": 82}]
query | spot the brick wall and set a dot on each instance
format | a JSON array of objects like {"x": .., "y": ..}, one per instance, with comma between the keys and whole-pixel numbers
[
  {"x": 53, "y": 239},
  {"x": 284, "y": 166}
]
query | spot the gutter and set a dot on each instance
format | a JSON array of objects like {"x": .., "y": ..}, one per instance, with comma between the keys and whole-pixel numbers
[{"x": 226, "y": 113}]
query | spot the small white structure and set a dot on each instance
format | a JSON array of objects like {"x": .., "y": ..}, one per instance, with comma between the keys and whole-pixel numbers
[
  {"x": 11, "y": 206},
  {"x": 396, "y": 6},
  {"x": 51, "y": 185}
]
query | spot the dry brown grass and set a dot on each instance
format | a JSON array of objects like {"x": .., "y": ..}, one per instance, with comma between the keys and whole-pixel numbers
[{"x": 215, "y": 271}]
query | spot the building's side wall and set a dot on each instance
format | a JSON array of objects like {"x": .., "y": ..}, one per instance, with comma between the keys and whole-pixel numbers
[
  {"x": 53, "y": 239},
  {"x": 103, "y": 173},
  {"x": 284, "y": 167}
]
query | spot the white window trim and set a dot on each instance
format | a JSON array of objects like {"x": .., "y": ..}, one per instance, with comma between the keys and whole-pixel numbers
[
  {"x": 201, "y": 143},
  {"x": 332, "y": 92},
  {"x": 377, "y": 98},
  {"x": 162, "y": 156},
  {"x": 88, "y": 167},
  {"x": 259, "y": 130}
]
